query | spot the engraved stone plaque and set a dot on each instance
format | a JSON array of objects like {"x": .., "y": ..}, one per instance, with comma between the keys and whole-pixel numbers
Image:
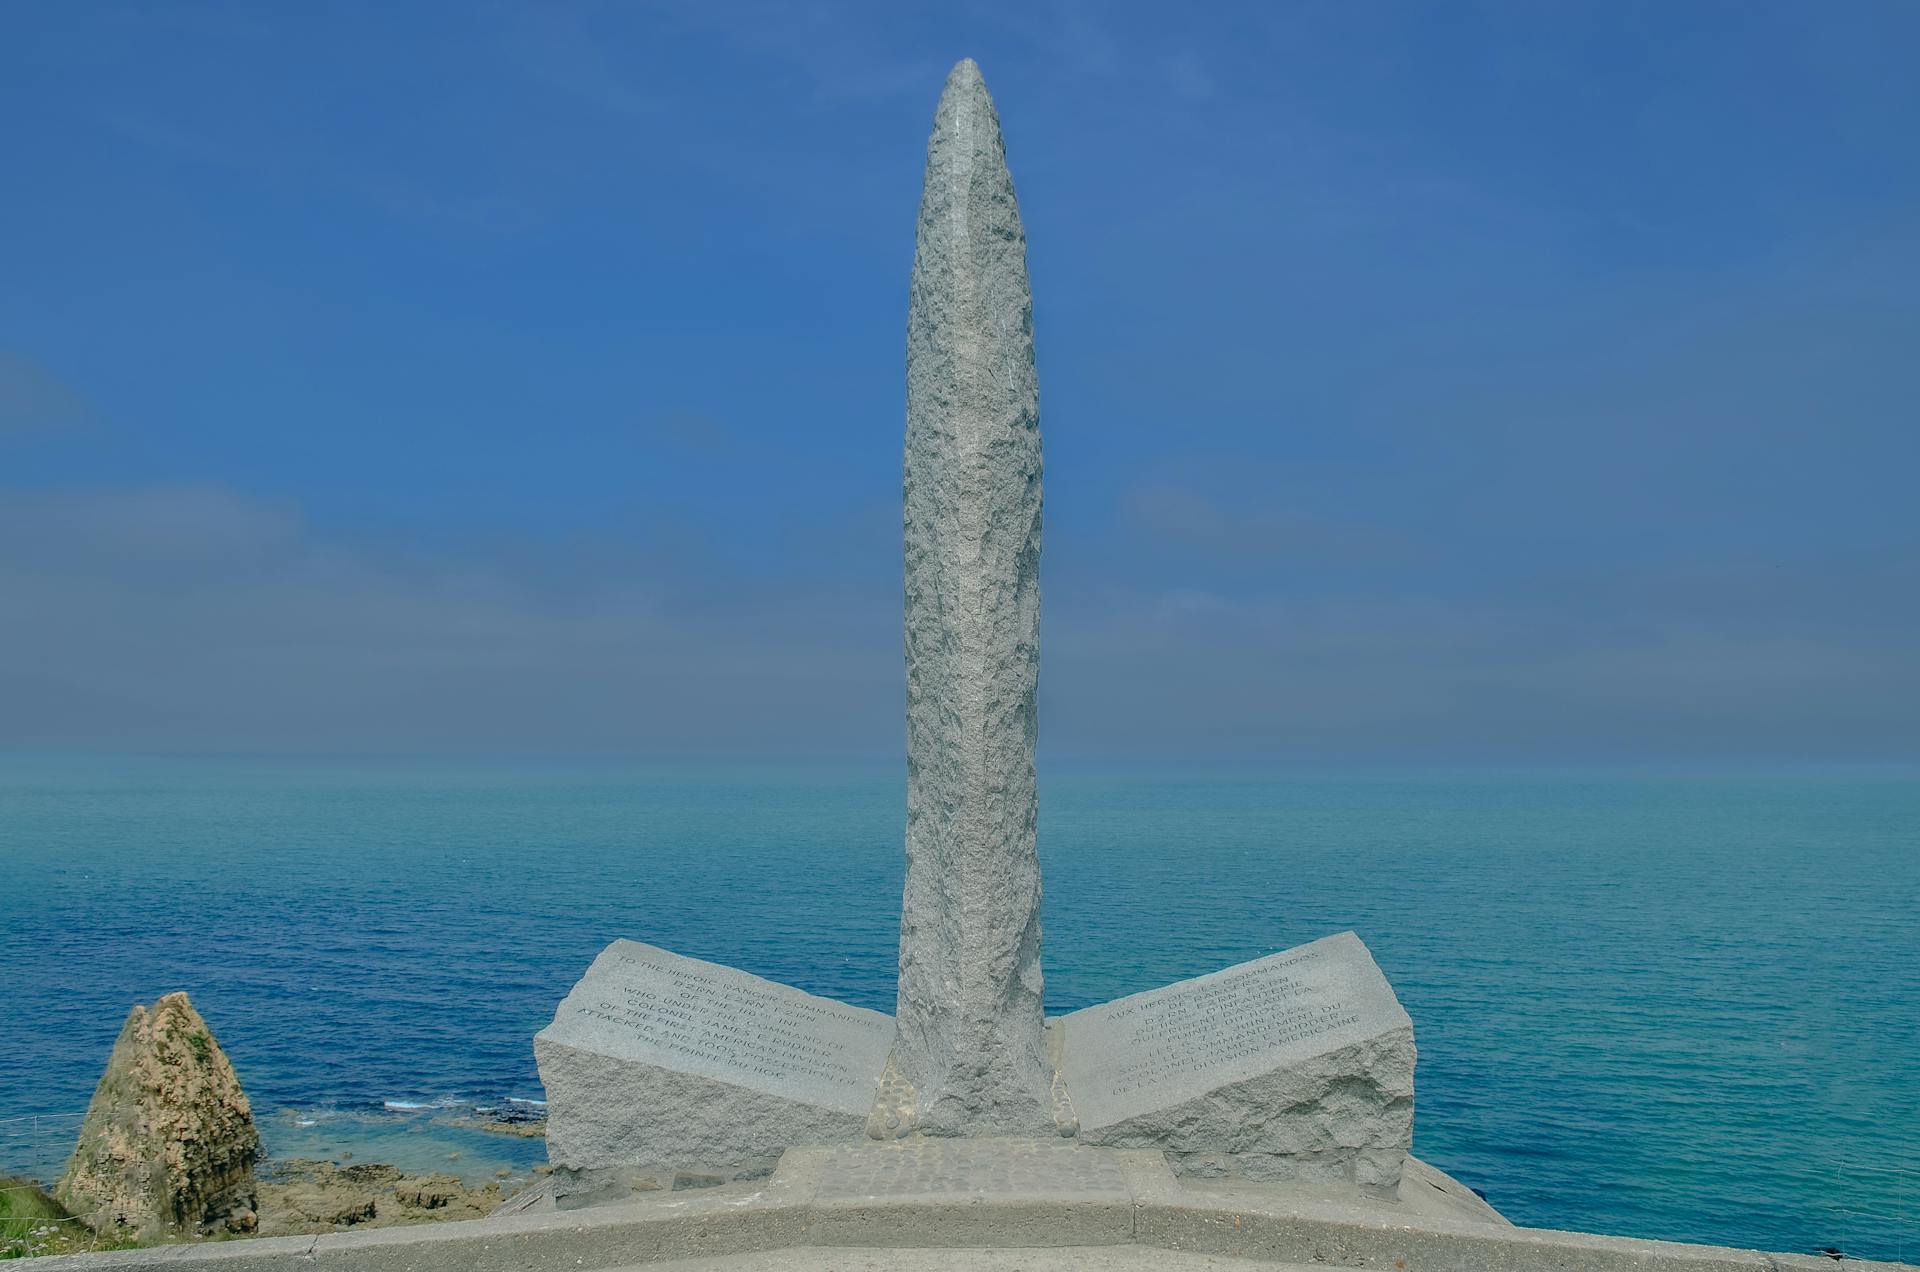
[
  {"x": 1299, "y": 1064},
  {"x": 659, "y": 1062}
]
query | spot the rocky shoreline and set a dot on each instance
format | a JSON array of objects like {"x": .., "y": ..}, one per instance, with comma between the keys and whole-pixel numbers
[
  {"x": 168, "y": 1151},
  {"x": 299, "y": 1195},
  {"x": 293, "y": 1196},
  {"x": 521, "y": 1118}
]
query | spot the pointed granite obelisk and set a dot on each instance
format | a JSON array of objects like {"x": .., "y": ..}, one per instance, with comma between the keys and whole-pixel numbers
[{"x": 970, "y": 1039}]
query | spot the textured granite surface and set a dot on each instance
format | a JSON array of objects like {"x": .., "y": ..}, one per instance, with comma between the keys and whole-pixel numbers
[
  {"x": 971, "y": 1038},
  {"x": 1297, "y": 1065},
  {"x": 659, "y": 1061}
]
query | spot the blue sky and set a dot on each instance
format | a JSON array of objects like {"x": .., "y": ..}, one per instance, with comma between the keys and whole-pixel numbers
[{"x": 1438, "y": 383}]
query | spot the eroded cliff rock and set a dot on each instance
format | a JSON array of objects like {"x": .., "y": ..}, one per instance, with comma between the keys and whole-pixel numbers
[{"x": 169, "y": 1144}]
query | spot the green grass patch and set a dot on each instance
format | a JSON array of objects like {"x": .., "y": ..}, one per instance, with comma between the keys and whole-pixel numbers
[{"x": 33, "y": 1223}]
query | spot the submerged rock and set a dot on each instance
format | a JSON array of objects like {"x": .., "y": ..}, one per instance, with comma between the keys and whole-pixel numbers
[
  {"x": 526, "y": 1123},
  {"x": 169, "y": 1144}
]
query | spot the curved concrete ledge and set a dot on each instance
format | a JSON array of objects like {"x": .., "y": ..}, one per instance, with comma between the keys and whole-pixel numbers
[{"x": 846, "y": 1207}]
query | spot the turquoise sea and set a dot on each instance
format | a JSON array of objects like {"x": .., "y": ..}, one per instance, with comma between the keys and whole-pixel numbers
[{"x": 1681, "y": 1006}]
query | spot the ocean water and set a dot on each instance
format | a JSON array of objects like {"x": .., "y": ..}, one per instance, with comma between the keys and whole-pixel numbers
[{"x": 1666, "y": 1006}]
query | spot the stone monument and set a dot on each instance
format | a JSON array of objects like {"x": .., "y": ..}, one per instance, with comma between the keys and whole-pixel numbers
[{"x": 661, "y": 1069}]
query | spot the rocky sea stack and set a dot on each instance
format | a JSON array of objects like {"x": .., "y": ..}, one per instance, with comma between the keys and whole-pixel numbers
[{"x": 169, "y": 1144}]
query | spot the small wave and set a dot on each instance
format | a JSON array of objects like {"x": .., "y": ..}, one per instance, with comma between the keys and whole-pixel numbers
[
  {"x": 309, "y": 1117},
  {"x": 529, "y": 1104},
  {"x": 423, "y": 1106}
]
